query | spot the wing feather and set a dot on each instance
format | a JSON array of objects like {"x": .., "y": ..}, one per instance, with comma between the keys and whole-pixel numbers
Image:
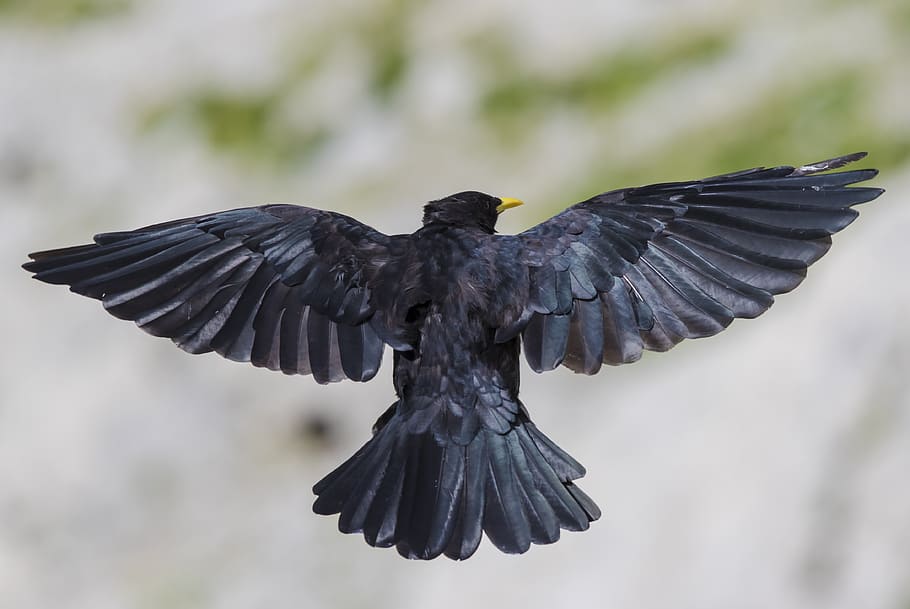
[
  {"x": 644, "y": 268},
  {"x": 281, "y": 286}
]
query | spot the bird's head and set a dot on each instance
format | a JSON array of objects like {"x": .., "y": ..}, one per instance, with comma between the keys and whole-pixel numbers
[{"x": 468, "y": 209}]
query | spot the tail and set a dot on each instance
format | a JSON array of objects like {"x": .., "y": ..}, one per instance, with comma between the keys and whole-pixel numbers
[{"x": 428, "y": 497}]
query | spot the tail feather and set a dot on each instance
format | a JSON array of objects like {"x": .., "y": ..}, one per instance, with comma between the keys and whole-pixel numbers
[
  {"x": 343, "y": 480},
  {"x": 562, "y": 462},
  {"x": 504, "y": 519},
  {"x": 428, "y": 497},
  {"x": 357, "y": 506},
  {"x": 586, "y": 503},
  {"x": 382, "y": 520},
  {"x": 571, "y": 516},
  {"x": 446, "y": 499},
  {"x": 424, "y": 510},
  {"x": 541, "y": 516},
  {"x": 468, "y": 530}
]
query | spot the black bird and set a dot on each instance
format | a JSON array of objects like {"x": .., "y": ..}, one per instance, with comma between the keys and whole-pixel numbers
[{"x": 307, "y": 291}]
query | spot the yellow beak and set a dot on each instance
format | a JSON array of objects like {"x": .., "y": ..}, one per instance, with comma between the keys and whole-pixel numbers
[{"x": 508, "y": 203}]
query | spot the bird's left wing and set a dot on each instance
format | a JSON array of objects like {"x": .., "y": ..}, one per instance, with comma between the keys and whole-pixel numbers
[
  {"x": 281, "y": 286},
  {"x": 644, "y": 268}
]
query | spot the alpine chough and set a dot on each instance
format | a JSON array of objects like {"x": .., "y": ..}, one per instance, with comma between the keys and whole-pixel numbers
[{"x": 307, "y": 291}]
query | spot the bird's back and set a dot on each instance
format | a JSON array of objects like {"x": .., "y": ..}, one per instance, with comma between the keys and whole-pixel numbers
[{"x": 456, "y": 364}]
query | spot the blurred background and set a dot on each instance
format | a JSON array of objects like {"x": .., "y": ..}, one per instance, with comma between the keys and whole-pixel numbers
[{"x": 766, "y": 467}]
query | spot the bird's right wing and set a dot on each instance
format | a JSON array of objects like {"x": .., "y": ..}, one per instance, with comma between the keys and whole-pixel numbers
[
  {"x": 644, "y": 268},
  {"x": 282, "y": 286}
]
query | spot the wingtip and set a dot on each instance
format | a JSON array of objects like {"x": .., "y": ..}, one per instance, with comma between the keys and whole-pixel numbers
[
  {"x": 828, "y": 164},
  {"x": 33, "y": 264},
  {"x": 876, "y": 193},
  {"x": 32, "y": 257},
  {"x": 855, "y": 156}
]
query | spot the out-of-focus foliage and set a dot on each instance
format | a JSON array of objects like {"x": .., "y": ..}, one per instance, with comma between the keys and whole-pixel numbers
[
  {"x": 61, "y": 12},
  {"x": 516, "y": 97},
  {"x": 828, "y": 108}
]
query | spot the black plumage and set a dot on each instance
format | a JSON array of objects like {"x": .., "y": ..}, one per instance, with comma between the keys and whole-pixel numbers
[{"x": 307, "y": 291}]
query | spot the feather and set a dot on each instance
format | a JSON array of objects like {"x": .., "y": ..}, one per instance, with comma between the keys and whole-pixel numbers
[
  {"x": 438, "y": 481},
  {"x": 545, "y": 339},
  {"x": 542, "y": 289},
  {"x": 512, "y": 329},
  {"x": 662, "y": 301},
  {"x": 293, "y": 350},
  {"x": 135, "y": 302},
  {"x": 200, "y": 330},
  {"x": 805, "y": 199},
  {"x": 586, "y": 503},
  {"x": 541, "y": 517},
  {"x": 563, "y": 293},
  {"x": 381, "y": 524},
  {"x": 793, "y": 224},
  {"x": 585, "y": 346},
  {"x": 742, "y": 299},
  {"x": 360, "y": 350},
  {"x": 765, "y": 250},
  {"x": 318, "y": 335},
  {"x": 504, "y": 520},
  {"x": 761, "y": 276},
  {"x": 369, "y": 476},
  {"x": 702, "y": 315},
  {"x": 266, "y": 351},
  {"x": 447, "y": 499},
  {"x": 71, "y": 265},
  {"x": 168, "y": 317},
  {"x": 334, "y": 490},
  {"x": 621, "y": 342},
  {"x": 468, "y": 529},
  {"x": 235, "y": 339},
  {"x": 409, "y": 493},
  {"x": 238, "y": 282},
  {"x": 571, "y": 516},
  {"x": 128, "y": 276},
  {"x": 559, "y": 460},
  {"x": 693, "y": 255},
  {"x": 751, "y": 245}
]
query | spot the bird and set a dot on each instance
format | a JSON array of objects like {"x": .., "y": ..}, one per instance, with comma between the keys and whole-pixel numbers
[{"x": 456, "y": 456}]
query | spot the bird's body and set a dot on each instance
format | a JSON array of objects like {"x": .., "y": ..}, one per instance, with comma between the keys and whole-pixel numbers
[
  {"x": 458, "y": 423},
  {"x": 307, "y": 291}
]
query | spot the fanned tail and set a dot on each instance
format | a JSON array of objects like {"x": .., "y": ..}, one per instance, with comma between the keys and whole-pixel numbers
[{"x": 428, "y": 496}]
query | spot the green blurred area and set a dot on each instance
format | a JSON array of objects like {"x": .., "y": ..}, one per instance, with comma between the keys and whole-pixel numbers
[
  {"x": 831, "y": 111},
  {"x": 517, "y": 97},
  {"x": 61, "y": 12},
  {"x": 247, "y": 126},
  {"x": 818, "y": 119},
  {"x": 828, "y": 113}
]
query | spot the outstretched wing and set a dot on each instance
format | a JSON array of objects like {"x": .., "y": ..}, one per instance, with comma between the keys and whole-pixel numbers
[
  {"x": 281, "y": 286},
  {"x": 644, "y": 268}
]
